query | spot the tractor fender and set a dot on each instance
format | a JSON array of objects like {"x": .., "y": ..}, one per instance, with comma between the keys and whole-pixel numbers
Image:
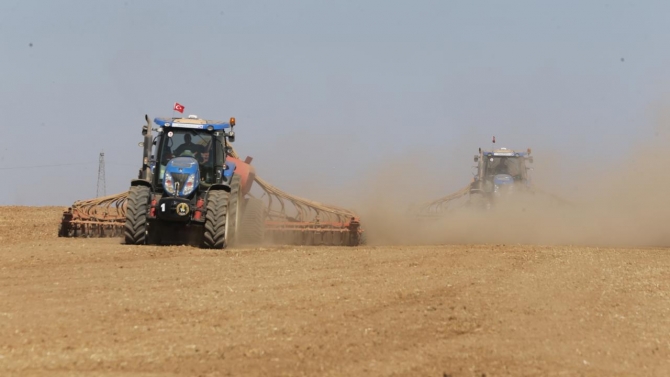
[
  {"x": 140, "y": 182},
  {"x": 246, "y": 172},
  {"x": 229, "y": 170},
  {"x": 220, "y": 187}
]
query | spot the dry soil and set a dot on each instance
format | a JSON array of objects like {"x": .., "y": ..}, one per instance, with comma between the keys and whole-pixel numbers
[{"x": 95, "y": 307}]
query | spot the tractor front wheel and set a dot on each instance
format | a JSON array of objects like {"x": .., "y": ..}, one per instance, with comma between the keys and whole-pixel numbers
[
  {"x": 135, "y": 228},
  {"x": 214, "y": 236}
]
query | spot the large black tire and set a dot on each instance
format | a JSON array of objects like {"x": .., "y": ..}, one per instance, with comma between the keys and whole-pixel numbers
[
  {"x": 251, "y": 229},
  {"x": 135, "y": 228},
  {"x": 214, "y": 236},
  {"x": 235, "y": 202},
  {"x": 62, "y": 231},
  {"x": 477, "y": 201}
]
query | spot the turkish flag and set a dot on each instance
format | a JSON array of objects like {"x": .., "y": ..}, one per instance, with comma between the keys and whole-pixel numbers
[{"x": 178, "y": 107}]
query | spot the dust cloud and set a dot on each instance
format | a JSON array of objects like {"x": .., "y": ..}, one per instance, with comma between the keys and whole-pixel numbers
[{"x": 624, "y": 204}]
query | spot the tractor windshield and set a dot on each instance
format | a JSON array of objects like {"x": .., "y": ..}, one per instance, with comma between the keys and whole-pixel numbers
[
  {"x": 514, "y": 166},
  {"x": 205, "y": 147}
]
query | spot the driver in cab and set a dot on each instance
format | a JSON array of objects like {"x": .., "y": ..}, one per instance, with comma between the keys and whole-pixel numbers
[
  {"x": 501, "y": 168},
  {"x": 188, "y": 145}
]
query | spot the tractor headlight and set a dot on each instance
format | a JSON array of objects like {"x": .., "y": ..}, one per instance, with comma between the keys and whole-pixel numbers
[
  {"x": 189, "y": 185},
  {"x": 168, "y": 183}
]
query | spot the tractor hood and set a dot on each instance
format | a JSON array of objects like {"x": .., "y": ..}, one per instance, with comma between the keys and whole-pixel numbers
[
  {"x": 182, "y": 176},
  {"x": 503, "y": 179}
]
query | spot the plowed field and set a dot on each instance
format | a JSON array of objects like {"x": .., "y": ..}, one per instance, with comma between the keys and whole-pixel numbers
[{"x": 95, "y": 307}]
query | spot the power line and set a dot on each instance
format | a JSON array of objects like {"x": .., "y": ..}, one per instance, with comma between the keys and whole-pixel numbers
[
  {"x": 46, "y": 166},
  {"x": 57, "y": 165}
]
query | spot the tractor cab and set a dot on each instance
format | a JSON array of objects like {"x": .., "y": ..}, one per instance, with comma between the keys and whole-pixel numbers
[
  {"x": 501, "y": 172},
  {"x": 190, "y": 155}
]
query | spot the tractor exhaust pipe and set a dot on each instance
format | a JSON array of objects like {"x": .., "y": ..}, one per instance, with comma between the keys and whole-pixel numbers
[{"x": 145, "y": 173}]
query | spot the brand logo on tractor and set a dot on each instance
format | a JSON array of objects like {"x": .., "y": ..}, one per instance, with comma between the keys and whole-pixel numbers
[{"x": 182, "y": 209}]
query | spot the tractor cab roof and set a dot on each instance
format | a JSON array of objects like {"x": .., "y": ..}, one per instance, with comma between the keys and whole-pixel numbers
[
  {"x": 193, "y": 122},
  {"x": 504, "y": 152}
]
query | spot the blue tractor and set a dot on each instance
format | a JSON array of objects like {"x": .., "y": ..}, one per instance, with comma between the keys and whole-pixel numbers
[
  {"x": 183, "y": 191},
  {"x": 500, "y": 173}
]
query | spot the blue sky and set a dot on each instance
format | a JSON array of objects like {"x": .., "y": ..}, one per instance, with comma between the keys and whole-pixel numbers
[{"x": 326, "y": 93}]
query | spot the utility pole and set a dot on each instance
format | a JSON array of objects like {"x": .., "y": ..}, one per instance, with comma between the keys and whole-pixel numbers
[{"x": 102, "y": 186}]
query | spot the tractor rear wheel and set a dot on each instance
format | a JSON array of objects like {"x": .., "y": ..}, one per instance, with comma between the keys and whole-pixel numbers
[
  {"x": 252, "y": 223},
  {"x": 234, "y": 210},
  {"x": 214, "y": 236},
  {"x": 135, "y": 228}
]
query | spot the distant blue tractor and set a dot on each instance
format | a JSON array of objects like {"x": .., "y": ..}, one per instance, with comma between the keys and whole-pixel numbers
[{"x": 500, "y": 173}]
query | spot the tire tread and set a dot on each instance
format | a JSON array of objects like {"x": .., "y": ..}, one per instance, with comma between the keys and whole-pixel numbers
[
  {"x": 135, "y": 227},
  {"x": 214, "y": 236}
]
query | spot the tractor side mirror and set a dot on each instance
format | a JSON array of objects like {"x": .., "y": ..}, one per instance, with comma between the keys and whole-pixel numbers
[
  {"x": 231, "y": 136},
  {"x": 476, "y": 158}
]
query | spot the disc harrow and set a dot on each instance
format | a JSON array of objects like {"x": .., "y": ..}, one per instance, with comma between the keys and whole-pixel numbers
[
  {"x": 289, "y": 219},
  {"x": 309, "y": 222},
  {"x": 440, "y": 206},
  {"x": 99, "y": 217}
]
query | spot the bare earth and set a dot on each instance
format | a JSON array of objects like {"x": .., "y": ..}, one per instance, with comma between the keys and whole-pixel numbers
[{"x": 95, "y": 307}]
